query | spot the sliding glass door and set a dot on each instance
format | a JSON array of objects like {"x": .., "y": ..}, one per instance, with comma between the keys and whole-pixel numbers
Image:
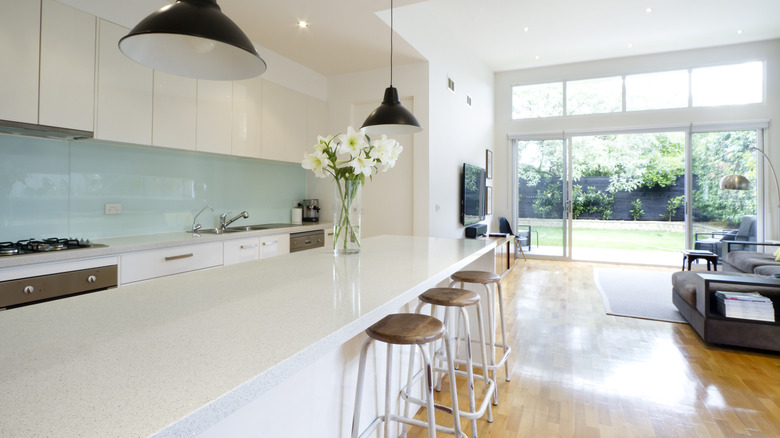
[
  {"x": 638, "y": 197},
  {"x": 541, "y": 189},
  {"x": 719, "y": 214}
]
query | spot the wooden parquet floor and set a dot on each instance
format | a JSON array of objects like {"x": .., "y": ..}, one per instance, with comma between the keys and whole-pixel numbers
[{"x": 577, "y": 372}]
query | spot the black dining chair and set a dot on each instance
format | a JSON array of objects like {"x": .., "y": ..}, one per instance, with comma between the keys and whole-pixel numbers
[{"x": 520, "y": 239}]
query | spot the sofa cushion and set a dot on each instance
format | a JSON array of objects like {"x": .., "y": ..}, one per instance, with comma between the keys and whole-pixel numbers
[
  {"x": 684, "y": 282},
  {"x": 747, "y": 261},
  {"x": 767, "y": 270}
]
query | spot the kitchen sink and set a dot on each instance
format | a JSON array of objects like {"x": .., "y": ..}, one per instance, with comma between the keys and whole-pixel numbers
[
  {"x": 243, "y": 228},
  {"x": 260, "y": 227},
  {"x": 216, "y": 231}
]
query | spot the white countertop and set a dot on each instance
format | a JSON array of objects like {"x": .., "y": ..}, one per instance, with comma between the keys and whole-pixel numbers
[
  {"x": 190, "y": 349},
  {"x": 120, "y": 245}
]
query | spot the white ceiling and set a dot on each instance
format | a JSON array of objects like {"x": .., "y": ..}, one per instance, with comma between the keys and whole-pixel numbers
[{"x": 348, "y": 35}]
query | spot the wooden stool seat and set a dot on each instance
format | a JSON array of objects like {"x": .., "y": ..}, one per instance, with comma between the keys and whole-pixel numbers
[
  {"x": 481, "y": 277},
  {"x": 446, "y": 296},
  {"x": 407, "y": 329}
]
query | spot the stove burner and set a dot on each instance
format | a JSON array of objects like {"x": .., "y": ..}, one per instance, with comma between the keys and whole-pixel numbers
[{"x": 50, "y": 244}]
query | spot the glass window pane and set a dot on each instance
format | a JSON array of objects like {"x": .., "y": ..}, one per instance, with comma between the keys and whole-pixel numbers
[
  {"x": 657, "y": 91},
  {"x": 594, "y": 96},
  {"x": 728, "y": 84},
  {"x": 540, "y": 100}
]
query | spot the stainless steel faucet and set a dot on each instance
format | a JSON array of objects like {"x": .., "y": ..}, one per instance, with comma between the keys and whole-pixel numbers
[
  {"x": 196, "y": 226},
  {"x": 223, "y": 223}
]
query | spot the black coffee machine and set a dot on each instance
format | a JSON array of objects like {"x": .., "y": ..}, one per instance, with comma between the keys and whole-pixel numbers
[{"x": 311, "y": 210}]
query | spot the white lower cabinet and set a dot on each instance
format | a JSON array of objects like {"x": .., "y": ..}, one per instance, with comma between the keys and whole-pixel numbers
[
  {"x": 274, "y": 245},
  {"x": 144, "y": 265},
  {"x": 241, "y": 250}
]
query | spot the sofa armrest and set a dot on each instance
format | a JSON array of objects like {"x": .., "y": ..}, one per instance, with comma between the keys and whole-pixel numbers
[{"x": 742, "y": 242}]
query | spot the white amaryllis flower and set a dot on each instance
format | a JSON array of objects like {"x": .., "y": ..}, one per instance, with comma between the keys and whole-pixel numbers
[
  {"x": 322, "y": 143},
  {"x": 363, "y": 165},
  {"x": 386, "y": 151},
  {"x": 317, "y": 162},
  {"x": 351, "y": 143}
]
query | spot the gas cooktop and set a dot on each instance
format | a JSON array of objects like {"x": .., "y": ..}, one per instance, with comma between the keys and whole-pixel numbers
[{"x": 42, "y": 245}]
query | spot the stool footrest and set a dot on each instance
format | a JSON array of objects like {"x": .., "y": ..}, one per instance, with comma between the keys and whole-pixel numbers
[{"x": 469, "y": 415}]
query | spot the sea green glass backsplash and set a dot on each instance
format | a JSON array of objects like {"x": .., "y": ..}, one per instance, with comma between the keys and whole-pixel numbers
[{"x": 60, "y": 188}]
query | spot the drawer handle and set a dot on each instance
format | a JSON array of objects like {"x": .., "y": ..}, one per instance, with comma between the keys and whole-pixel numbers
[
  {"x": 307, "y": 242},
  {"x": 254, "y": 245},
  {"x": 272, "y": 242},
  {"x": 177, "y": 257}
]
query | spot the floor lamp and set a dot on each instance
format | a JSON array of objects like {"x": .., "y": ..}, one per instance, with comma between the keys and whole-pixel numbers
[{"x": 739, "y": 182}]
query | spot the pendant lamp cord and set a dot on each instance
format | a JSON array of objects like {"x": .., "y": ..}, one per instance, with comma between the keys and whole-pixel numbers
[{"x": 391, "y": 43}]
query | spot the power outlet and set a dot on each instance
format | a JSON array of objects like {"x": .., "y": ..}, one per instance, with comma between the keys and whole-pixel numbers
[{"x": 113, "y": 208}]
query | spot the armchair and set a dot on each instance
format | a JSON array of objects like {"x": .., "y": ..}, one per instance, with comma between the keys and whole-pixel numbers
[{"x": 745, "y": 232}]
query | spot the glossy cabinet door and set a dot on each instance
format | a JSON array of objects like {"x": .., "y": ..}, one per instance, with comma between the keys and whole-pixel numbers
[
  {"x": 19, "y": 46},
  {"x": 316, "y": 123},
  {"x": 144, "y": 265},
  {"x": 174, "y": 113},
  {"x": 274, "y": 245},
  {"x": 124, "y": 91},
  {"x": 214, "y": 116},
  {"x": 67, "y": 69},
  {"x": 241, "y": 250},
  {"x": 247, "y": 120},
  {"x": 284, "y": 123}
]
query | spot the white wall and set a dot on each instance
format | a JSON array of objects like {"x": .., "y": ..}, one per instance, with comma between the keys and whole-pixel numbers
[
  {"x": 768, "y": 51},
  {"x": 392, "y": 201},
  {"x": 457, "y": 133}
]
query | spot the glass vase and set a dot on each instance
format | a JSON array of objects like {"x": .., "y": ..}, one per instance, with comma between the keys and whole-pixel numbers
[{"x": 346, "y": 216}]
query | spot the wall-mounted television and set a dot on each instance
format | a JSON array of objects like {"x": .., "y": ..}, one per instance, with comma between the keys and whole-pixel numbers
[{"x": 472, "y": 194}]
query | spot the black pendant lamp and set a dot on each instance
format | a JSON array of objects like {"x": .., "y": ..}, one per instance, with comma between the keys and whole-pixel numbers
[
  {"x": 391, "y": 117},
  {"x": 193, "y": 38}
]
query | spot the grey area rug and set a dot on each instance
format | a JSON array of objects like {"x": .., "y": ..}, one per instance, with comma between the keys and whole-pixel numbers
[{"x": 637, "y": 294}]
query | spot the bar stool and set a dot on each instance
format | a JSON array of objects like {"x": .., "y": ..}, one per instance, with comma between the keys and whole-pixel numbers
[
  {"x": 407, "y": 329},
  {"x": 460, "y": 299},
  {"x": 486, "y": 278}
]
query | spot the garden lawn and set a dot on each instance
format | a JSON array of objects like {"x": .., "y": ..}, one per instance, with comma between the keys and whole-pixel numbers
[{"x": 614, "y": 239}]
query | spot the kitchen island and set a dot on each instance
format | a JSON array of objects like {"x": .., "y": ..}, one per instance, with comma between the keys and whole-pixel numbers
[{"x": 216, "y": 351}]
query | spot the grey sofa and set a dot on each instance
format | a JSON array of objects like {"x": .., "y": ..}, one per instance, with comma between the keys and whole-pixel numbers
[
  {"x": 688, "y": 297},
  {"x": 750, "y": 262}
]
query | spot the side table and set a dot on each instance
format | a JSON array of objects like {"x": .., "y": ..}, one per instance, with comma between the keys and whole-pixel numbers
[{"x": 694, "y": 254}]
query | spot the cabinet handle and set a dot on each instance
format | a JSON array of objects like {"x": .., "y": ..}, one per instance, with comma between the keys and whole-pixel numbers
[
  {"x": 271, "y": 242},
  {"x": 254, "y": 245},
  {"x": 177, "y": 257}
]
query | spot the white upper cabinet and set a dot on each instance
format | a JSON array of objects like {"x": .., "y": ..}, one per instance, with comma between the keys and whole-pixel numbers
[
  {"x": 19, "y": 45},
  {"x": 67, "y": 70},
  {"x": 284, "y": 123},
  {"x": 124, "y": 91},
  {"x": 214, "y": 116},
  {"x": 316, "y": 123},
  {"x": 247, "y": 117},
  {"x": 174, "y": 114}
]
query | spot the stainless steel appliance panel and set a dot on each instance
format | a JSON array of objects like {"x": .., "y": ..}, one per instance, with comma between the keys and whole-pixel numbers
[
  {"x": 14, "y": 293},
  {"x": 307, "y": 240}
]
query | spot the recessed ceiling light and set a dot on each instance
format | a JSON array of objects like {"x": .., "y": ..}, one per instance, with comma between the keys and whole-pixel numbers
[
  {"x": 537, "y": 57},
  {"x": 739, "y": 32},
  {"x": 526, "y": 29},
  {"x": 303, "y": 25},
  {"x": 630, "y": 45},
  {"x": 649, "y": 10}
]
